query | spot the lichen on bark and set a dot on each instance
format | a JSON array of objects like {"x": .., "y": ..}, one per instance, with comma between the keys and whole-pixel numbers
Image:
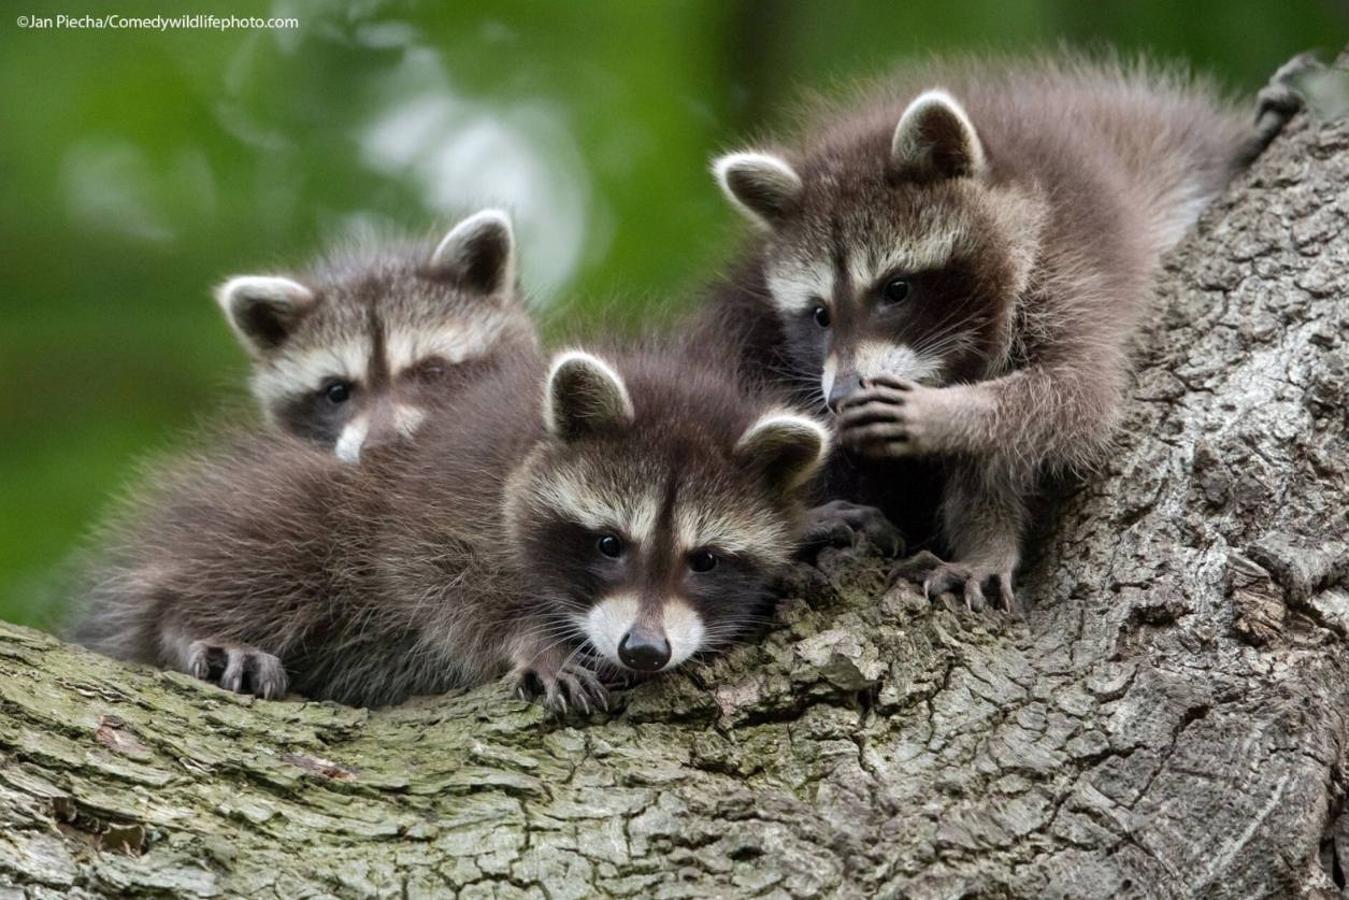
[{"x": 1170, "y": 719}]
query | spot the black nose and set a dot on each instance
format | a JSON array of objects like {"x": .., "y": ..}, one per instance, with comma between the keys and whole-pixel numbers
[
  {"x": 844, "y": 386},
  {"x": 643, "y": 652}
]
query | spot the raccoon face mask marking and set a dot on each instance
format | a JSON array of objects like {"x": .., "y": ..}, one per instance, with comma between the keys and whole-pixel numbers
[
  {"x": 905, "y": 261},
  {"x": 651, "y": 529},
  {"x": 398, "y": 326}
]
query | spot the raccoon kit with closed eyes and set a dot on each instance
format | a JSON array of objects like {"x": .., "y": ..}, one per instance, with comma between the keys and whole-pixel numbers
[
  {"x": 557, "y": 523},
  {"x": 957, "y": 265},
  {"x": 353, "y": 352}
]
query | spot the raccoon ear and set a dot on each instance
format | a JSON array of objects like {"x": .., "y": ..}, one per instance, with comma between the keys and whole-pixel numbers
[
  {"x": 584, "y": 394},
  {"x": 762, "y": 186},
  {"x": 263, "y": 310},
  {"x": 787, "y": 447},
  {"x": 478, "y": 253},
  {"x": 935, "y": 139}
]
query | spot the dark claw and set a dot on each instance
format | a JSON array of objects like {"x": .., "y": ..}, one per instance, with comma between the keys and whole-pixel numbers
[
  {"x": 969, "y": 584},
  {"x": 233, "y": 679},
  {"x": 238, "y": 668},
  {"x": 974, "y": 596},
  {"x": 1008, "y": 596},
  {"x": 575, "y": 693},
  {"x": 531, "y": 685},
  {"x": 574, "y": 687}
]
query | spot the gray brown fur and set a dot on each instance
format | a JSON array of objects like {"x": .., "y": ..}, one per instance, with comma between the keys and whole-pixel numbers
[
  {"x": 449, "y": 561},
  {"x": 1022, "y": 319}
]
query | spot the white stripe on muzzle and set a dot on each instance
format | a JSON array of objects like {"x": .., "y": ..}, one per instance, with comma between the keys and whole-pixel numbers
[
  {"x": 613, "y": 617},
  {"x": 351, "y": 440}
]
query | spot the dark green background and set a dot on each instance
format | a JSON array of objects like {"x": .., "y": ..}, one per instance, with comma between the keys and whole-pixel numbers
[{"x": 141, "y": 167}]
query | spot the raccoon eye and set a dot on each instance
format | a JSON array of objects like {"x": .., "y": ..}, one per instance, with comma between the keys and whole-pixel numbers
[
  {"x": 821, "y": 315},
  {"x": 338, "y": 392},
  {"x": 610, "y": 546},
  {"x": 702, "y": 560},
  {"x": 895, "y": 290}
]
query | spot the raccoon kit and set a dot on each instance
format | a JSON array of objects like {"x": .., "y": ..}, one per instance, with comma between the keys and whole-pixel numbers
[
  {"x": 353, "y": 352},
  {"x": 956, "y": 267},
  {"x": 557, "y": 523}
]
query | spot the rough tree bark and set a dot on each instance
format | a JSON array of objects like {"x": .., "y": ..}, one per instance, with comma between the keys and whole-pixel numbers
[{"x": 1170, "y": 721}]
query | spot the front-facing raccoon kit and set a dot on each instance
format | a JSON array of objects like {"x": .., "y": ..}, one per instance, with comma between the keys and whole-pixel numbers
[{"x": 557, "y": 524}]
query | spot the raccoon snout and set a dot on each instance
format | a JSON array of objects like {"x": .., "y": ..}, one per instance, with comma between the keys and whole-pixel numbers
[
  {"x": 644, "y": 651},
  {"x": 660, "y": 636},
  {"x": 844, "y": 386}
]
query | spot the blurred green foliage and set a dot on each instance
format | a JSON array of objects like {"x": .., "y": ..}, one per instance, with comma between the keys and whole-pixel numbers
[{"x": 140, "y": 167}]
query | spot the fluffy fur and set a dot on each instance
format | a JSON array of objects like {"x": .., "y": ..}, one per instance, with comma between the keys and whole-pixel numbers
[
  {"x": 353, "y": 351},
  {"x": 551, "y": 522},
  {"x": 957, "y": 263}
]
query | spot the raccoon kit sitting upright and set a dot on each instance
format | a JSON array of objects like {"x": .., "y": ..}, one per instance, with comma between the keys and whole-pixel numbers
[
  {"x": 353, "y": 352},
  {"x": 956, "y": 266},
  {"x": 617, "y": 512}
]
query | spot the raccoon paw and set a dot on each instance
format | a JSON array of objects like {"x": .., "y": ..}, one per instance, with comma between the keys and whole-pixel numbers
[
  {"x": 969, "y": 580},
  {"x": 560, "y": 689},
  {"x": 893, "y": 417},
  {"x": 1280, "y": 97},
  {"x": 1277, "y": 103},
  {"x": 839, "y": 523},
  {"x": 237, "y": 667}
]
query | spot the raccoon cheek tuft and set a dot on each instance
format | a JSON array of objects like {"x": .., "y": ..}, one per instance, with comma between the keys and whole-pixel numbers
[
  {"x": 684, "y": 630},
  {"x": 608, "y": 621}
]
